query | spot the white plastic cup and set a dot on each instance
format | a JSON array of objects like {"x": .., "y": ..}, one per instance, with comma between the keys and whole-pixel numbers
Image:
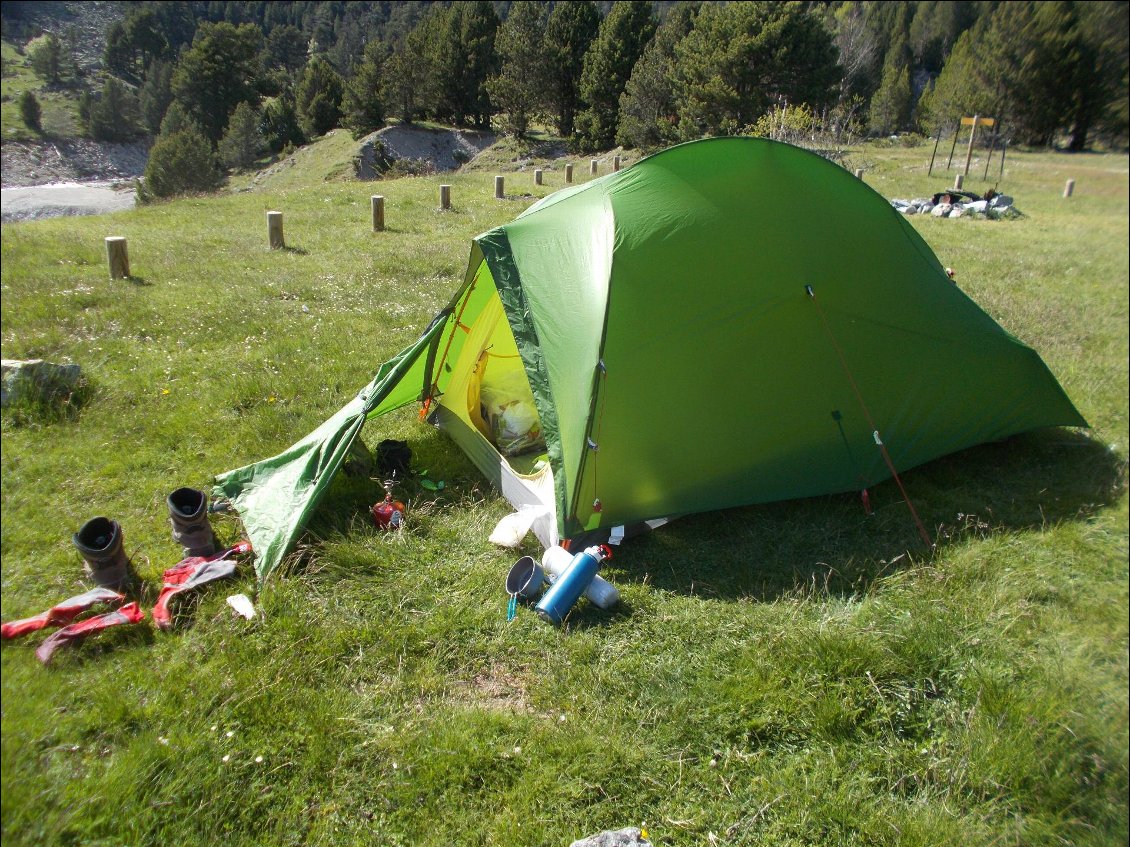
[{"x": 600, "y": 592}]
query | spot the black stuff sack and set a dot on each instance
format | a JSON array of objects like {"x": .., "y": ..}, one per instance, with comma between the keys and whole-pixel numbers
[{"x": 393, "y": 458}]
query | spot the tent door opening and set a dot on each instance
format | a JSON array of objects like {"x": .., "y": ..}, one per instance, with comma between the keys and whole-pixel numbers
[{"x": 488, "y": 409}]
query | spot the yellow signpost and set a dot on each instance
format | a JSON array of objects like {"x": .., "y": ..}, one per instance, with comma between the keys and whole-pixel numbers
[{"x": 973, "y": 123}]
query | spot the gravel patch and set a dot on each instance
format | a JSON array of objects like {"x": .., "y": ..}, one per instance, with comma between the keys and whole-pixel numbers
[{"x": 70, "y": 160}]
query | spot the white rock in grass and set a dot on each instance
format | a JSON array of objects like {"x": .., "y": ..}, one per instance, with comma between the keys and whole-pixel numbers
[
  {"x": 941, "y": 210},
  {"x": 35, "y": 377},
  {"x": 629, "y": 836}
]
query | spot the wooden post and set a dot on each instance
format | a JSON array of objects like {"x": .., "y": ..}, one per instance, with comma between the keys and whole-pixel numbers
[
  {"x": 958, "y": 182},
  {"x": 569, "y": 172},
  {"x": 988, "y": 161},
  {"x": 615, "y": 163},
  {"x": 953, "y": 147},
  {"x": 592, "y": 167},
  {"x": 859, "y": 173},
  {"x": 500, "y": 188},
  {"x": 445, "y": 196},
  {"x": 118, "y": 256},
  {"x": 537, "y": 176},
  {"x": 937, "y": 140},
  {"x": 972, "y": 135},
  {"x": 378, "y": 213},
  {"x": 275, "y": 231},
  {"x": 1068, "y": 190}
]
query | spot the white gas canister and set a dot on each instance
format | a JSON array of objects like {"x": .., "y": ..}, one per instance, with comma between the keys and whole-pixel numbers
[{"x": 600, "y": 592}]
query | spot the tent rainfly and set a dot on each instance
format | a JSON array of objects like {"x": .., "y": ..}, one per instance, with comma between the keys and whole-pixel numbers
[{"x": 730, "y": 321}]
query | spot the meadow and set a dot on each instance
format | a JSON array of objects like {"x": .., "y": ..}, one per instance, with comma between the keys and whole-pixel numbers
[{"x": 788, "y": 674}]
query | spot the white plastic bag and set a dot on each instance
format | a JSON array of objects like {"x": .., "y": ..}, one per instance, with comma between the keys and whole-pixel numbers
[
  {"x": 513, "y": 528},
  {"x": 508, "y": 409}
]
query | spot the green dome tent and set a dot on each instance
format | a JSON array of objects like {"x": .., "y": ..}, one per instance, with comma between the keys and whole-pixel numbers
[{"x": 729, "y": 321}]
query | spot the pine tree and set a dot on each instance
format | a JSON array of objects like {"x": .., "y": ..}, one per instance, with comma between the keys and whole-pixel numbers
[
  {"x": 180, "y": 163},
  {"x": 156, "y": 94},
  {"x": 114, "y": 114},
  {"x": 744, "y": 57},
  {"x": 517, "y": 90},
  {"x": 444, "y": 57},
  {"x": 1029, "y": 65},
  {"x": 411, "y": 76},
  {"x": 891, "y": 104},
  {"x": 619, "y": 43},
  {"x": 279, "y": 125},
  {"x": 478, "y": 29},
  {"x": 30, "y": 111},
  {"x": 46, "y": 57},
  {"x": 217, "y": 73},
  {"x": 286, "y": 48},
  {"x": 568, "y": 34},
  {"x": 1103, "y": 105},
  {"x": 363, "y": 104},
  {"x": 935, "y": 28},
  {"x": 405, "y": 84},
  {"x": 890, "y": 107},
  {"x": 318, "y": 97},
  {"x": 648, "y": 117},
  {"x": 242, "y": 142},
  {"x": 177, "y": 119}
]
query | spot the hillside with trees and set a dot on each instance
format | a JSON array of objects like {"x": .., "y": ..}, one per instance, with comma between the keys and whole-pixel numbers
[{"x": 255, "y": 78}]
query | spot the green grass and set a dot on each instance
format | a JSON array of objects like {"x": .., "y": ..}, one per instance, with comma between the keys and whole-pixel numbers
[
  {"x": 784, "y": 674},
  {"x": 59, "y": 105}
]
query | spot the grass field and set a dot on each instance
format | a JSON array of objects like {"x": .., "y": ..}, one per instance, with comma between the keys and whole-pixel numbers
[
  {"x": 788, "y": 674},
  {"x": 59, "y": 104}
]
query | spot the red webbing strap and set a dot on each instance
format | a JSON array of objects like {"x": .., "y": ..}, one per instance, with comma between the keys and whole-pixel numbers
[{"x": 870, "y": 421}]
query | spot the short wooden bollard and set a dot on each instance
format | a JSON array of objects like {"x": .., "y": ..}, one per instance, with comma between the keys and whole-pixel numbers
[
  {"x": 592, "y": 167},
  {"x": 615, "y": 163},
  {"x": 859, "y": 173},
  {"x": 958, "y": 181},
  {"x": 499, "y": 188},
  {"x": 445, "y": 196},
  {"x": 569, "y": 172},
  {"x": 378, "y": 202},
  {"x": 537, "y": 176},
  {"x": 1068, "y": 189},
  {"x": 118, "y": 256},
  {"x": 275, "y": 231}
]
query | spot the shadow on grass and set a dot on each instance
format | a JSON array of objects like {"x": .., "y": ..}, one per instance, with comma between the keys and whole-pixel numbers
[
  {"x": 97, "y": 647},
  {"x": 830, "y": 544}
]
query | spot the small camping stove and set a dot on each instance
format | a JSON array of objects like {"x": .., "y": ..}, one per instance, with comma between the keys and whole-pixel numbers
[{"x": 388, "y": 513}]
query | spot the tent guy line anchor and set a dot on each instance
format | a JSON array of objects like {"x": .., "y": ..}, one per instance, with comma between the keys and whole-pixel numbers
[{"x": 871, "y": 421}]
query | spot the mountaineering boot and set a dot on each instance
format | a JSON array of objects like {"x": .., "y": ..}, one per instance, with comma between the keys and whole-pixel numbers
[
  {"x": 188, "y": 514},
  {"x": 100, "y": 544}
]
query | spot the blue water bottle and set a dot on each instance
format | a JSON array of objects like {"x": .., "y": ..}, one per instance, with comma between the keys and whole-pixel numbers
[{"x": 556, "y": 603}]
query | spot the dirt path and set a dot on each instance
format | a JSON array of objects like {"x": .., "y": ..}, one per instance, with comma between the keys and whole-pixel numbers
[
  {"x": 33, "y": 202},
  {"x": 72, "y": 177}
]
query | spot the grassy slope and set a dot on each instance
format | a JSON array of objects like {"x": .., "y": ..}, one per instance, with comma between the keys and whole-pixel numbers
[
  {"x": 59, "y": 105},
  {"x": 783, "y": 674}
]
